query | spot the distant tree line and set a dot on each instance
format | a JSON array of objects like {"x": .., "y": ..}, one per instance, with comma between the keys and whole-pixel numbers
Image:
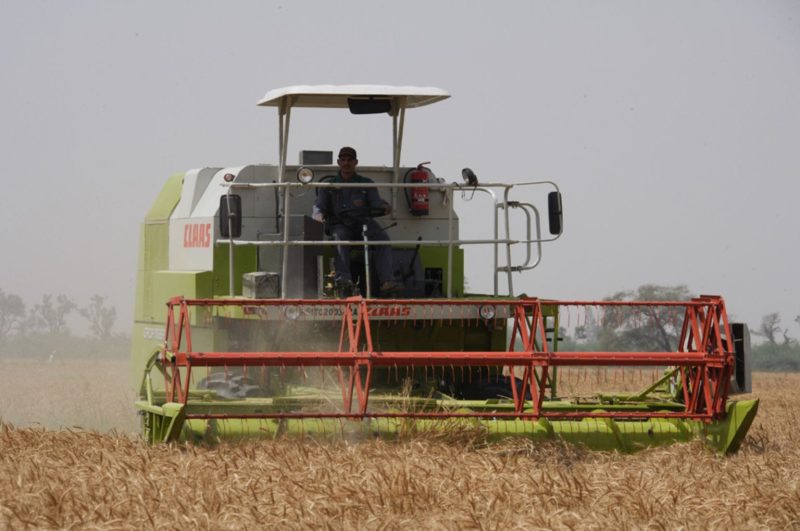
[
  {"x": 778, "y": 351},
  {"x": 49, "y": 315},
  {"x": 658, "y": 329},
  {"x": 41, "y": 329}
]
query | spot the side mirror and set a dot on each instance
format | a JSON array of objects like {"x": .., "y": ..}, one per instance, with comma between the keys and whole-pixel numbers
[
  {"x": 554, "y": 212},
  {"x": 234, "y": 217}
]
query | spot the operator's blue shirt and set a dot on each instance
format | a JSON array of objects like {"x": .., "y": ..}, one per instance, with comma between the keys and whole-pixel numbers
[{"x": 331, "y": 202}]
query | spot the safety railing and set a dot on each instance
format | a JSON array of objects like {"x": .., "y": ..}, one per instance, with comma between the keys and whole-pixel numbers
[{"x": 502, "y": 205}]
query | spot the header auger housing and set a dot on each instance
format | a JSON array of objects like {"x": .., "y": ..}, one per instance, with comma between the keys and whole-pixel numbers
[{"x": 255, "y": 343}]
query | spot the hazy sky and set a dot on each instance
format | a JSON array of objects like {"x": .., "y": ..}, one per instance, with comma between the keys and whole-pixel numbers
[{"x": 673, "y": 128}]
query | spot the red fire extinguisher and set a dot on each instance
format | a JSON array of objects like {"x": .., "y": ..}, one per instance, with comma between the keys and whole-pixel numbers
[{"x": 418, "y": 203}]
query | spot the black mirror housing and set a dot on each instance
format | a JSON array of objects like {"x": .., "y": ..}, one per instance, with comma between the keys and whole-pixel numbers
[
  {"x": 554, "y": 212},
  {"x": 235, "y": 215}
]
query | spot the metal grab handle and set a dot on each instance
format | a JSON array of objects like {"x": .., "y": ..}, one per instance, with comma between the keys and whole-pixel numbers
[
  {"x": 230, "y": 244},
  {"x": 528, "y": 209},
  {"x": 366, "y": 260}
]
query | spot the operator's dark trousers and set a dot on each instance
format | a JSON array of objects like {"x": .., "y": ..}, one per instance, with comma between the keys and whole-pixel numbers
[{"x": 382, "y": 253}]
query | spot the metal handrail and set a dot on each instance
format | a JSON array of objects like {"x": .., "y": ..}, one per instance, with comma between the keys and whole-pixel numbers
[{"x": 447, "y": 188}]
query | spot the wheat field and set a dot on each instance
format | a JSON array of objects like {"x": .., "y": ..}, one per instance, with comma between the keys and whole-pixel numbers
[{"x": 54, "y": 476}]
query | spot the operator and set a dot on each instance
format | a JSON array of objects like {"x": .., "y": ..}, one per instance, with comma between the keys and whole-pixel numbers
[{"x": 346, "y": 210}]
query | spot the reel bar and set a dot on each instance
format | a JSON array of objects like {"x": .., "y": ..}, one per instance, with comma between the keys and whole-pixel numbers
[
  {"x": 697, "y": 302},
  {"x": 552, "y": 415},
  {"x": 446, "y": 359}
]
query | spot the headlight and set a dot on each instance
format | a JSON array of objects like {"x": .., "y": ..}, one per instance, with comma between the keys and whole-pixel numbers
[
  {"x": 228, "y": 177},
  {"x": 487, "y": 311},
  {"x": 292, "y": 312},
  {"x": 305, "y": 175}
]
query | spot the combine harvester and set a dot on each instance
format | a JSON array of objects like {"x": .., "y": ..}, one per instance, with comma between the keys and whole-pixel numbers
[{"x": 257, "y": 339}]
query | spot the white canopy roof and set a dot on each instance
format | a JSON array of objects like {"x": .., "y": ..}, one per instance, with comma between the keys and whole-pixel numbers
[{"x": 335, "y": 96}]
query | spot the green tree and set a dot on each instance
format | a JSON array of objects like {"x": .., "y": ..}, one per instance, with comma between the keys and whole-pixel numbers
[
  {"x": 771, "y": 330},
  {"x": 643, "y": 328},
  {"x": 12, "y": 313},
  {"x": 50, "y": 315},
  {"x": 101, "y": 317}
]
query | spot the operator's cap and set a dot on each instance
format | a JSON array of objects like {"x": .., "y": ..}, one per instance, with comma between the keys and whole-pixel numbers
[{"x": 347, "y": 152}]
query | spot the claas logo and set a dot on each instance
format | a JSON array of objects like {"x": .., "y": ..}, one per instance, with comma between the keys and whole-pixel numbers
[
  {"x": 389, "y": 311},
  {"x": 197, "y": 235}
]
